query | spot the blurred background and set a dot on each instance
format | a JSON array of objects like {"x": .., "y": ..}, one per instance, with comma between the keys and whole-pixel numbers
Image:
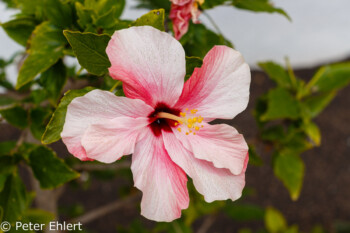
[{"x": 317, "y": 35}]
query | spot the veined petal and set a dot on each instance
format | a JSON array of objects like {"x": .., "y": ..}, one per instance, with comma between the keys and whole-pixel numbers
[
  {"x": 95, "y": 107},
  {"x": 180, "y": 16},
  {"x": 220, "y": 144},
  {"x": 213, "y": 183},
  {"x": 220, "y": 88},
  {"x": 150, "y": 63},
  {"x": 109, "y": 140},
  {"x": 161, "y": 181}
]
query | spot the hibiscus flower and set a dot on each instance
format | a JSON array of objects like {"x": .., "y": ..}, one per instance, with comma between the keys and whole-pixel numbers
[
  {"x": 180, "y": 14},
  {"x": 164, "y": 122}
]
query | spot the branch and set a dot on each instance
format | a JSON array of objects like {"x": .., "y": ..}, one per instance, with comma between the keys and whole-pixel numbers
[
  {"x": 208, "y": 222},
  {"x": 104, "y": 210}
]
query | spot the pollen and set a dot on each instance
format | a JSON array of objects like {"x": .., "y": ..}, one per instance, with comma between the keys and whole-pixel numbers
[{"x": 186, "y": 121}]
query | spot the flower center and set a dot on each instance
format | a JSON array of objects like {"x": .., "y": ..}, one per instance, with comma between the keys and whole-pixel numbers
[{"x": 188, "y": 121}]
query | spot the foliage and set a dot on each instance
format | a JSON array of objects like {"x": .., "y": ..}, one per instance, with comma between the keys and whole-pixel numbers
[{"x": 50, "y": 31}]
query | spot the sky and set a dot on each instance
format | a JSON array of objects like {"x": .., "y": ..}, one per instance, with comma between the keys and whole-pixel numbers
[{"x": 319, "y": 31}]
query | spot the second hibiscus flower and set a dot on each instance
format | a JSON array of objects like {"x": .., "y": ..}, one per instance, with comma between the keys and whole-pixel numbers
[
  {"x": 164, "y": 122},
  {"x": 180, "y": 14}
]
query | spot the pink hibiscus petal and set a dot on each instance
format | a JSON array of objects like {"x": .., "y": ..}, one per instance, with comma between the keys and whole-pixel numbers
[
  {"x": 109, "y": 140},
  {"x": 95, "y": 107},
  {"x": 180, "y": 16},
  {"x": 150, "y": 63},
  {"x": 213, "y": 183},
  {"x": 220, "y": 144},
  {"x": 161, "y": 181},
  {"x": 220, "y": 88}
]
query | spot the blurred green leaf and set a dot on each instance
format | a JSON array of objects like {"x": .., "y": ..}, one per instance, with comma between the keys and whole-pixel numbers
[
  {"x": 20, "y": 29},
  {"x": 289, "y": 168},
  {"x": 314, "y": 105},
  {"x": 259, "y": 6},
  {"x": 7, "y": 164},
  {"x": 101, "y": 7},
  {"x": 191, "y": 64},
  {"x": 330, "y": 77},
  {"x": 213, "y": 3},
  {"x": 55, "y": 126},
  {"x": 37, "y": 216},
  {"x": 274, "y": 221},
  {"x": 53, "y": 81},
  {"x": 277, "y": 73},
  {"x": 32, "y": 8},
  {"x": 154, "y": 18},
  {"x": 6, "y": 147},
  {"x": 59, "y": 13},
  {"x": 313, "y": 132},
  {"x": 46, "y": 47},
  {"x": 2, "y": 183},
  {"x": 245, "y": 212},
  {"x": 90, "y": 50},
  {"x": 13, "y": 198},
  {"x": 39, "y": 117},
  {"x": 254, "y": 158},
  {"x": 50, "y": 170},
  {"x": 199, "y": 40},
  {"x": 281, "y": 104},
  {"x": 15, "y": 116}
]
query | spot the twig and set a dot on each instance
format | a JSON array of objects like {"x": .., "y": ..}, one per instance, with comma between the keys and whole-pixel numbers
[
  {"x": 104, "y": 210},
  {"x": 208, "y": 222},
  {"x": 101, "y": 167}
]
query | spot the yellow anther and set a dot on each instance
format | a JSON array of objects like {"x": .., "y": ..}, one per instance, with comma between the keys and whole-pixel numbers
[
  {"x": 189, "y": 125},
  {"x": 180, "y": 122},
  {"x": 186, "y": 109},
  {"x": 193, "y": 111},
  {"x": 196, "y": 128},
  {"x": 176, "y": 123},
  {"x": 190, "y": 120},
  {"x": 200, "y": 119},
  {"x": 195, "y": 119},
  {"x": 183, "y": 114},
  {"x": 202, "y": 126},
  {"x": 194, "y": 133},
  {"x": 187, "y": 133},
  {"x": 179, "y": 129}
]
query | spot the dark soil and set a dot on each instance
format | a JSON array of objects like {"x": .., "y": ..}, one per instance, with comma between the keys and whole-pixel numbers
[{"x": 324, "y": 198}]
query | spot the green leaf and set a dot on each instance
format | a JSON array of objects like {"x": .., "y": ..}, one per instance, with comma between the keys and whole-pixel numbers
[
  {"x": 191, "y": 64},
  {"x": 7, "y": 165},
  {"x": 154, "y": 18},
  {"x": 245, "y": 212},
  {"x": 289, "y": 168},
  {"x": 6, "y": 147},
  {"x": 32, "y": 7},
  {"x": 281, "y": 104},
  {"x": 314, "y": 105},
  {"x": 254, "y": 158},
  {"x": 108, "y": 20},
  {"x": 313, "y": 132},
  {"x": 37, "y": 216},
  {"x": 13, "y": 198},
  {"x": 331, "y": 77},
  {"x": 259, "y": 6},
  {"x": 90, "y": 50},
  {"x": 53, "y": 81},
  {"x": 55, "y": 126},
  {"x": 101, "y": 7},
  {"x": 59, "y": 13},
  {"x": 46, "y": 48},
  {"x": 274, "y": 221},
  {"x": 20, "y": 29},
  {"x": 39, "y": 117},
  {"x": 213, "y": 3},
  {"x": 277, "y": 73},
  {"x": 16, "y": 116},
  {"x": 3, "y": 179},
  {"x": 199, "y": 40},
  {"x": 50, "y": 170}
]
